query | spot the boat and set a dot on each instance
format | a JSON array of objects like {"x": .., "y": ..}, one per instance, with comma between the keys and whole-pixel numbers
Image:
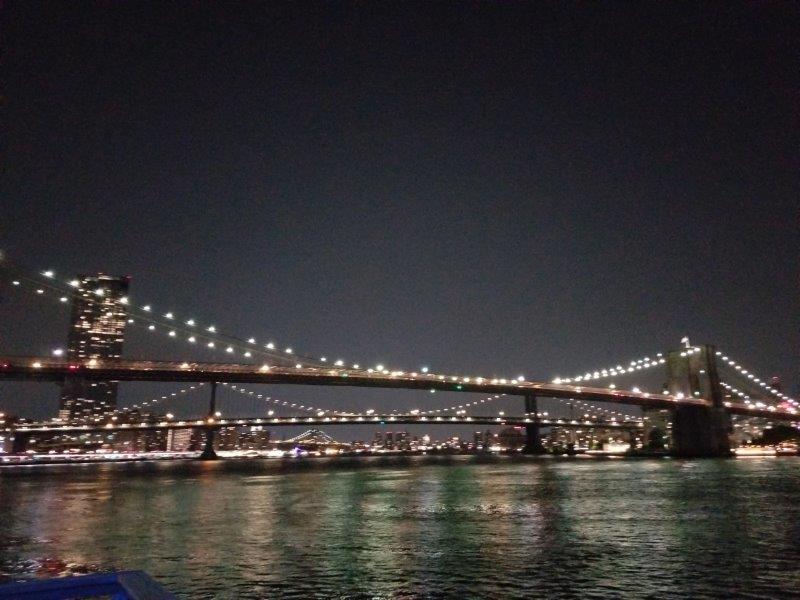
[{"x": 120, "y": 585}]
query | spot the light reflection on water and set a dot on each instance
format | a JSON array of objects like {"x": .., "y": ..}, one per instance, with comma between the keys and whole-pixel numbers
[{"x": 414, "y": 527}]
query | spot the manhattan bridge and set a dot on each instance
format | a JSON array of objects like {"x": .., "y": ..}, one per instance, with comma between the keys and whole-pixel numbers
[{"x": 702, "y": 389}]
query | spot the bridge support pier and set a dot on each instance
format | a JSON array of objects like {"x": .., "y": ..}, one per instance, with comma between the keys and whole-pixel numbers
[
  {"x": 19, "y": 444},
  {"x": 533, "y": 437},
  {"x": 632, "y": 440},
  {"x": 208, "y": 452},
  {"x": 698, "y": 431}
]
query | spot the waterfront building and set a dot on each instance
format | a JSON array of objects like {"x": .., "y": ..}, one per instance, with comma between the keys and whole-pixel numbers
[
  {"x": 179, "y": 440},
  {"x": 254, "y": 438},
  {"x": 96, "y": 331}
]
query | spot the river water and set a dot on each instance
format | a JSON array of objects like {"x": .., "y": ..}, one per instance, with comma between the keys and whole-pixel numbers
[{"x": 420, "y": 527}]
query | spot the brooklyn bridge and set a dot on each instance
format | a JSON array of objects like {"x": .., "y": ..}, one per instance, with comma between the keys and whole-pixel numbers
[{"x": 704, "y": 389}]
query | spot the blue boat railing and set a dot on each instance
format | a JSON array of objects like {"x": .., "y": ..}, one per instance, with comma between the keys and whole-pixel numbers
[{"x": 121, "y": 585}]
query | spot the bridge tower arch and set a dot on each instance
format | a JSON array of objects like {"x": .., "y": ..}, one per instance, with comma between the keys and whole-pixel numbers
[{"x": 698, "y": 431}]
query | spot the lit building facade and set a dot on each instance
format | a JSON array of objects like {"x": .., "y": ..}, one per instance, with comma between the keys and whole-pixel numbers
[{"x": 97, "y": 330}]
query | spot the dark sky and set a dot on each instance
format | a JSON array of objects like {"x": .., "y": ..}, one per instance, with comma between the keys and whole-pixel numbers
[{"x": 507, "y": 187}]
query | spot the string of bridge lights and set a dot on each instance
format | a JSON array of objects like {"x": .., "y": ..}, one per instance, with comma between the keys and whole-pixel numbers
[
  {"x": 741, "y": 394},
  {"x": 235, "y": 388},
  {"x": 194, "y": 332},
  {"x": 616, "y": 371},
  {"x": 748, "y": 400},
  {"x": 592, "y": 407},
  {"x": 156, "y": 400},
  {"x": 245, "y": 392},
  {"x": 750, "y": 376},
  {"x": 209, "y": 336},
  {"x": 462, "y": 408},
  {"x": 458, "y": 409},
  {"x": 117, "y": 412}
]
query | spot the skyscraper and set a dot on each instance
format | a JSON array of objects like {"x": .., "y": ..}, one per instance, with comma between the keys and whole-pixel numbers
[{"x": 96, "y": 330}]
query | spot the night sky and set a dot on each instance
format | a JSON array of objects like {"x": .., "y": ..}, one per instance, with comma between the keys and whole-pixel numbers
[{"x": 485, "y": 188}]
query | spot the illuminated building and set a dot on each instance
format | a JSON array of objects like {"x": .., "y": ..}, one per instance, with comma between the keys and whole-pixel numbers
[
  {"x": 179, "y": 440},
  {"x": 97, "y": 330}
]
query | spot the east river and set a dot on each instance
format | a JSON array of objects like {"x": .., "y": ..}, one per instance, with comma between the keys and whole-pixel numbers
[{"x": 458, "y": 527}]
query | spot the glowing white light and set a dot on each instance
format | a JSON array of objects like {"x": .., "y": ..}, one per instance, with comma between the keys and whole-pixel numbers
[
  {"x": 169, "y": 315},
  {"x": 48, "y": 274},
  {"x": 75, "y": 283},
  {"x": 210, "y": 344},
  {"x": 229, "y": 350},
  {"x": 339, "y": 363},
  {"x": 288, "y": 351},
  {"x": 40, "y": 291},
  {"x": 211, "y": 329},
  {"x": 151, "y": 327},
  {"x": 63, "y": 299},
  {"x": 58, "y": 352},
  {"x": 190, "y": 322},
  {"x": 424, "y": 369},
  {"x": 192, "y": 339},
  {"x": 172, "y": 334},
  {"x": 251, "y": 341},
  {"x": 270, "y": 346},
  {"x": 146, "y": 308},
  {"x": 247, "y": 354}
]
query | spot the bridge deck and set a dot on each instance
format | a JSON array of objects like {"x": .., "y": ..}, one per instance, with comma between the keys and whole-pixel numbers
[
  {"x": 324, "y": 421},
  {"x": 31, "y": 368},
  {"x": 48, "y": 369}
]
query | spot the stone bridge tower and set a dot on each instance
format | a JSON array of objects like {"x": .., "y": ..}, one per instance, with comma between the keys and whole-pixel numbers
[{"x": 698, "y": 431}]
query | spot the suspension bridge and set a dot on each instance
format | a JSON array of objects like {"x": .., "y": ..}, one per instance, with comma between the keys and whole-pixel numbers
[{"x": 705, "y": 388}]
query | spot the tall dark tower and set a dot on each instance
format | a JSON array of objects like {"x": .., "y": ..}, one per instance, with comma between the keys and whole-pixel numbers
[{"x": 96, "y": 331}]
